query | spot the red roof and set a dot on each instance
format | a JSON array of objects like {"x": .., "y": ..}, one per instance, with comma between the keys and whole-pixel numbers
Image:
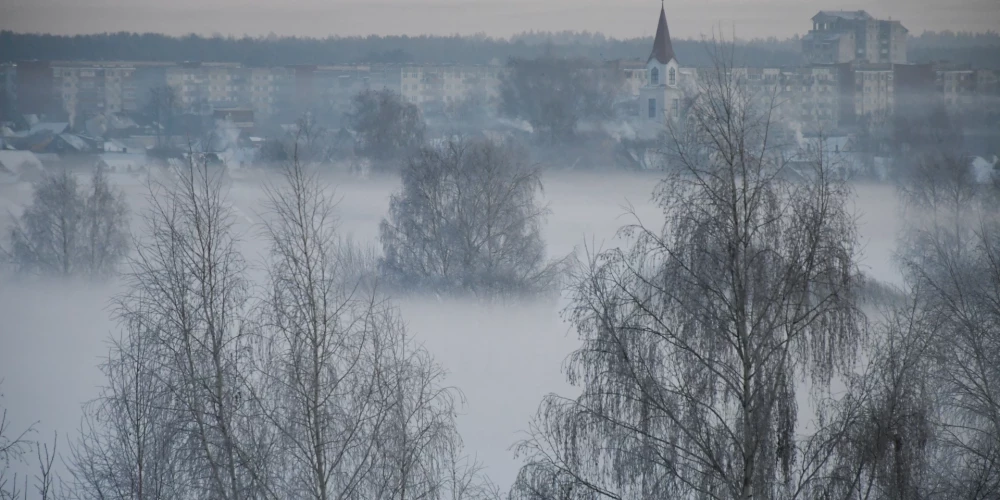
[{"x": 663, "y": 50}]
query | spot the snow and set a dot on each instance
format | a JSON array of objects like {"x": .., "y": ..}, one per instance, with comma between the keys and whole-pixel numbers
[
  {"x": 122, "y": 162},
  {"x": 16, "y": 165},
  {"x": 985, "y": 171}
]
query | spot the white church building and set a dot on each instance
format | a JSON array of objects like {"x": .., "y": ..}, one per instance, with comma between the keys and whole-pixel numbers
[{"x": 660, "y": 99}]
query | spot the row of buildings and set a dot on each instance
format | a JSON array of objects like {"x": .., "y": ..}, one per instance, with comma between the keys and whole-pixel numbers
[
  {"x": 79, "y": 90},
  {"x": 864, "y": 83},
  {"x": 856, "y": 70}
]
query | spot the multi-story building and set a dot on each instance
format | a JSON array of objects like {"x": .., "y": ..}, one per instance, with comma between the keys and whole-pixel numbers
[
  {"x": 201, "y": 86},
  {"x": 957, "y": 85},
  {"x": 86, "y": 89},
  {"x": 848, "y": 36},
  {"x": 327, "y": 88},
  {"x": 266, "y": 90},
  {"x": 874, "y": 91},
  {"x": 820, "y": 96},
  {"x": 427, "y": 85}
]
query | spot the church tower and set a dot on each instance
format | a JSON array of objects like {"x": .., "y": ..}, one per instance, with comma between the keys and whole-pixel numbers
[{"x": 660, "y": 98}]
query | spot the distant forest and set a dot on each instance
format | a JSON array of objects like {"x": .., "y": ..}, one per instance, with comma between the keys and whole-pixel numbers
[{"x": 982, "y": 50}]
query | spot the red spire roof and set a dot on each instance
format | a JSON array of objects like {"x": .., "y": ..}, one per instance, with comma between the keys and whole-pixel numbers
[{"x": 663, "y": 50}]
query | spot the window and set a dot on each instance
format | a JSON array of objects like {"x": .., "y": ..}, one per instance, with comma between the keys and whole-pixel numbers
[
  {"x": 652, "y": 106},
  {"x": 673, "y": 76},
  {"x": 677, "y": 107},
  {"x": 654, "y": 77}
]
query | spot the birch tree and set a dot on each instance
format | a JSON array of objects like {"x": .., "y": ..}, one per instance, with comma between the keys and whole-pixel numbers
[
  {"x": 323, "y": 346},
  {"x": 360, "y": 408},
  {"x": 695, "y": 335},
  {"x": 130, "y": 444},
  {"x": 69, "y": 230},
  {"x": 188, "y": 292},
  {"x": 468, "y": 220},
  {"x": 951, "y": 258}
]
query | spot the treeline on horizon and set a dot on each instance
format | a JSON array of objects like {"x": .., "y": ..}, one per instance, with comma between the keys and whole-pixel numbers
[{"x": 977, "y": 49}]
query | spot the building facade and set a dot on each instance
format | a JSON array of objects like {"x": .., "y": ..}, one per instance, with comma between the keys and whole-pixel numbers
[
  {"x": 449, "y": 85},
  {"x": 848, "y": 36},
  {"x": 660, "y": 99}
]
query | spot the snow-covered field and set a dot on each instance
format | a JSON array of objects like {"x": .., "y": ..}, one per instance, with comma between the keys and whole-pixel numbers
[{"x": 504, "y": 358}]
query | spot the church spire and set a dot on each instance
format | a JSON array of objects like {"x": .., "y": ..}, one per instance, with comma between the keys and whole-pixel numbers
[{"x": 663, "y": 50}]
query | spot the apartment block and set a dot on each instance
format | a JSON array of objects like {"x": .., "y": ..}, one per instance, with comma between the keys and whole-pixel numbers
[
  {"x": 449, "y": 84},
  {"x": 874, "y": 91},
  {"x": 854, "y": 36}
]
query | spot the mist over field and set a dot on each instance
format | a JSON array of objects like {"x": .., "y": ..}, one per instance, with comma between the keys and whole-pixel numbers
[
  {"x": 330, "y": 259},
  {"x": 503, "y": 356}
]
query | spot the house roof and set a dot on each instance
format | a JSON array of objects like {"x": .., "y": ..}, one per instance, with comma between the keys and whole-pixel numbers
[
  {"x": 75, "y": 141},
  {"x": 54, "y": 127},
  {"x": 850, "y": 15},
  {"x": 663, "y": 50}
]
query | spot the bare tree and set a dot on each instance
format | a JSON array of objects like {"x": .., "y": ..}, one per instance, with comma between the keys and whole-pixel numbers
[
  {"x": 162, "y": 108},
  {"x": 889, "y": 415},
  {"x": 387, "y": 127},
  {"x": 467, "y": 219},
  {"x": 15, "y": 450},
  {"x": 106, "y": 218},
  {"x": 554, "y": 94},
  {"x": 68, "y": 230},
  {"x": 323, "y": 347},
  {"x": 359, "y": 408},
  {"x": 14, "y": 447},
  {"x": 46, "y": 238},
  {"x": 187, "y": 290},
  {"x": 129, "y": 444},
  {"x": 418, "y": 450},
  {"x": 695, "y": 335},
  {"x": 951, "y": 257}
]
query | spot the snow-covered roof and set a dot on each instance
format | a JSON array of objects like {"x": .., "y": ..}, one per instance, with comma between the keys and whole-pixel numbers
[
  {"x": 54, "y": 127},
  {"x": 114, "y": 145},
  {"x": 985, "y": 170},
  {"x": 19, "y": 162},
  {"x": 850, "y": 15},
  {"x": 139, "y": 143},
  {"x": 119, "y": 122},
  {"x": 124, "y": 161},
  {"x": 75, "y": 142}
]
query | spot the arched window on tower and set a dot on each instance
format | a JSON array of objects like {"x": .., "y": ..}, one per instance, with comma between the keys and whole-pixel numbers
[
  {"x": 654, "y": 76},
  {"x": 673, "y": 76}
]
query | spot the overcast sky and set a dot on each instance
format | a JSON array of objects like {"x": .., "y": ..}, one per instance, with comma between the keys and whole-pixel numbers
[{"x": 619, "y": 18}]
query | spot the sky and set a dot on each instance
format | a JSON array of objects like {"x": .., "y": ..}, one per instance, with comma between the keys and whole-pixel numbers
[{"x": 618, "y": 18}]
